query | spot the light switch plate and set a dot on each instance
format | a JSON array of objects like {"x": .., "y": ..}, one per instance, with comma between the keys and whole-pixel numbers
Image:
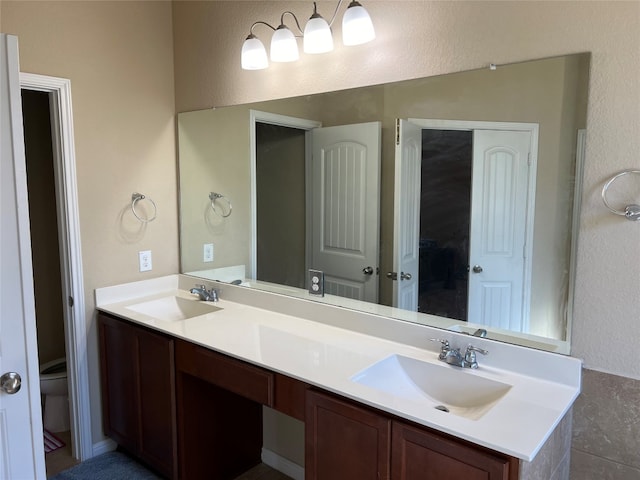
[
  {"x": 144, "y": 259},
  {"x": 316, "y": 282}
]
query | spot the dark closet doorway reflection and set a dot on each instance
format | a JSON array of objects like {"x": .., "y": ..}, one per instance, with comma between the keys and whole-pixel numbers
[
  {"x": 281, "y": 204},
  {"x": 445, "y": 211}
]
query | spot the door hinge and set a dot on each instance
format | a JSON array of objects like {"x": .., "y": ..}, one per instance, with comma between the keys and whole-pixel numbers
[
  {"x": 529, "y": 158},
  {"x": 70, "y": 302},
  {"x": 397, "y": 132}
]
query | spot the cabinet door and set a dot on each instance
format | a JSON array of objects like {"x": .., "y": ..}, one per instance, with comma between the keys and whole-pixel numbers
[
  {"x": 418, "y": 454},
  {"x": 158, "y": 444},
  {"x": 344, "y": 441},
  {"x": 138, "y": 392},
  {"x": 118, "y": 364}
]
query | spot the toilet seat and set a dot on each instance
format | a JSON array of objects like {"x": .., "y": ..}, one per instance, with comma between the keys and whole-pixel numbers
[{"x": 54, "y": 370}]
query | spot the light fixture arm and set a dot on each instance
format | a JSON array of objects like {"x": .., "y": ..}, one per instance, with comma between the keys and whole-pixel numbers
[
  {"x": 295, "y": 20},
  {"x": 335, "y": 12},
  {"x": 263, "y": 23}
]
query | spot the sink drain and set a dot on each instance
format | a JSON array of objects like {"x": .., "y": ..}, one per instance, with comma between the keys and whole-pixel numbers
[{"x": 442, "y": 408}]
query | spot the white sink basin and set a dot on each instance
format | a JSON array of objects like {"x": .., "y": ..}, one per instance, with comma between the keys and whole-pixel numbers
[
  {"x": 173, "y": 309},
  {"x": 450, "y": 389}
]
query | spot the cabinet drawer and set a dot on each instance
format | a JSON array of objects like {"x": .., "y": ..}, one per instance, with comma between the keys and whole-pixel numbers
[
  {"x": 233, "y": 375},
  {"x": 290, "y": 396}
]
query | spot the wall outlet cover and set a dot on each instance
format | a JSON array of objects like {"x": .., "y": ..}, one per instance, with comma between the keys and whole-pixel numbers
[
  {"x": 144, "y": 259},
  {"x": 316, "y": 282}
]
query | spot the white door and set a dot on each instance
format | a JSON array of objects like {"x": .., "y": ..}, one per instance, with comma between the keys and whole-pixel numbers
[
  {"x": 498, "y": 228},
  {"x": 345, "y": 208},
  {"x": 21, "y": 440},
  {"x": 407, "y": 216}
]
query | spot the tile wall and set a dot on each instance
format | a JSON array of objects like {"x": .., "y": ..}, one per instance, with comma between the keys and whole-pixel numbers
[{"x": 606, "y": 428}]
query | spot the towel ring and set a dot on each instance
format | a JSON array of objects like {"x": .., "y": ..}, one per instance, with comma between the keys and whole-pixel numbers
[
  {"x": 213, "y": 196},
  {"x": 631, "y": 211},
  {"x": 135, "y": 198}
]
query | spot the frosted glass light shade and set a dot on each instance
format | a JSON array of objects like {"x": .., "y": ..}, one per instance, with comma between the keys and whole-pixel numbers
[
  {"x": 317, "y": 35},
  {"x": 284, "y": 47},
  {"x": 254, "y": 55},
  {"x": 357, "y": 27}
]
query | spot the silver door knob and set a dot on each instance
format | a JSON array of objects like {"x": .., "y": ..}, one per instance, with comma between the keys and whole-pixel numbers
[
  {"x": 367, "y": 270},
  {"x": 10, "y": 383},
  {"x": 477, "y": 269},
  {"x": 405, "y": 276}
]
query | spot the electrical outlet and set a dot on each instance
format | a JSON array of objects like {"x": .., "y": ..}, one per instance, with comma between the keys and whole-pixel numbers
[
  {"x": 316, "y": 282},
  {"x": 144, "y": 259},
  {"x": 207, "y": 252}
]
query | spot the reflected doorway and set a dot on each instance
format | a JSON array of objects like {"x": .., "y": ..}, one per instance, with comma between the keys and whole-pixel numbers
[{"x": 445, "y": 214}]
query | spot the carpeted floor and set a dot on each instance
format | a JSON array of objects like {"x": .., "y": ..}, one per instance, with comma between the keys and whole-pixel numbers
[{"x": 108, "y": 466}]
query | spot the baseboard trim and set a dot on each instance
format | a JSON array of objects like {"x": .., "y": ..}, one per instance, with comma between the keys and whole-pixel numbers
[
  {"x": 283, "y": 465},
  {"x": 104, "y": 446}
]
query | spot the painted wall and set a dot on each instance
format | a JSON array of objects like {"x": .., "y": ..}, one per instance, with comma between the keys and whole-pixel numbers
[
  {"x": 421, "y": 38},
  {"x": 119, "y": 58}
]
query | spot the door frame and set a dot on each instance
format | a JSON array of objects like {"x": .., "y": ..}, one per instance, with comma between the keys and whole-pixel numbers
[
  {"x": 59, "y": 90},
  {"x": 257, "y": 116},
  {"x": 533, "y": 129}
]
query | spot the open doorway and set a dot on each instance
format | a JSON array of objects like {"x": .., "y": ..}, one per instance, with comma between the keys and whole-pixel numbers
[
  {"x": 445, "y": 222},
  {"x": 472, "y": 252},
  {"x": 57, "y": 263}
]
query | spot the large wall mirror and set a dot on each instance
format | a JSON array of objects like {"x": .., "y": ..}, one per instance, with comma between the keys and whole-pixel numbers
[{"x": 450, "y": 201}]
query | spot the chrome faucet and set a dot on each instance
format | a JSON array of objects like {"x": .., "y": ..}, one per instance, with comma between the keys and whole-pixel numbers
[
  {"x": 481, "y": 332},
  {"x": 452, "y": 356},
  {"x": 204, "y": 294}
]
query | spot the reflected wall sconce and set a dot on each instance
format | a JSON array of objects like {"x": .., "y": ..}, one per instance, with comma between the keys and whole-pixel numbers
[{"x": 357, "y": 29}]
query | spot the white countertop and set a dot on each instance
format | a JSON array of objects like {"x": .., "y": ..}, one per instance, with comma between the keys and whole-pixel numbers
[{"x": 543, "y": 385}]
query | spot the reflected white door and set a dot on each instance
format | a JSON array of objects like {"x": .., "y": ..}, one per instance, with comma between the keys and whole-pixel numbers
[
  {"x": 498, "y": 228},
  {"x": 407, "y": 216},
  {"x": 345, "y": 208},
  {"x": 21, "y": 440}
]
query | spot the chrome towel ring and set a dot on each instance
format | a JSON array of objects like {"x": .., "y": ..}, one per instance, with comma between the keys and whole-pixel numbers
[
  {"x": 135, "y": 198},
  {"x": 631, "y": 211},
  {"x": 213, "y": 196}
]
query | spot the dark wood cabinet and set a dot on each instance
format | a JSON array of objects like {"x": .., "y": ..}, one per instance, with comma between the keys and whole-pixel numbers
[
  {"x": 420, "y": 454},
  {"x": 219, "y": 412},
  {"x": 345, "y": 440},
  {"x": 138, "y": 392}
]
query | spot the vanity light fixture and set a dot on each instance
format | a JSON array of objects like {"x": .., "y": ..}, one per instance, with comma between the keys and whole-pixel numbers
[{"x": 357, "y": 29}]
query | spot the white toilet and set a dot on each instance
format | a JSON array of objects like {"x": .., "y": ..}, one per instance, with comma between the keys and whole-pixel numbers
[{"x": 53, "y": 388}]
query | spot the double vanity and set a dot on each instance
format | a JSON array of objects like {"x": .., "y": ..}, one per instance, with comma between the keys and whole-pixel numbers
[{"x": 184, "y": 382}]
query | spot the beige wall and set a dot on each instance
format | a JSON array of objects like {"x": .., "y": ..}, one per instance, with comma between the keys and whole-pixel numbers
[
  {"x": 119, "y": 58},
  {"x": 453, "y": 36}
]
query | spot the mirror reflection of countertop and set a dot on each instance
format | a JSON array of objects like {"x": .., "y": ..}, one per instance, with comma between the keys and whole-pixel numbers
[{"x": 515, "y": 400}]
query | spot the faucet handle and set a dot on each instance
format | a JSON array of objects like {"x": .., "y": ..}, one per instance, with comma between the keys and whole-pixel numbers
[
  {"x": 444, "y": 349},
  {"x": 471, "y": 348},
  {"x": 470, "y": 356}
]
